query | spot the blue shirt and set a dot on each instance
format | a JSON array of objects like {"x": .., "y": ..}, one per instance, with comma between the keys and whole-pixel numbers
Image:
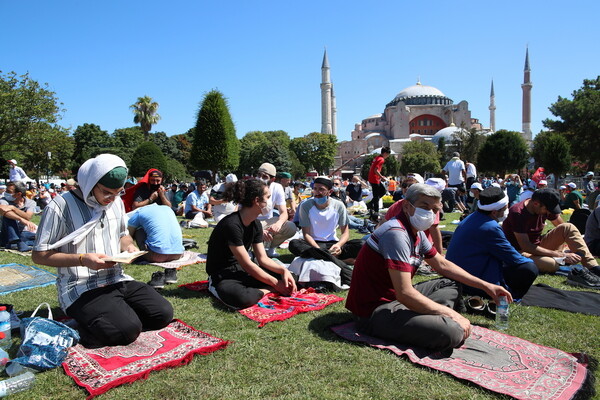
[
  {"x": 480, "y": 247},
  {"x": 163, "y": 233},
  {"x": 195, "y": 199}
]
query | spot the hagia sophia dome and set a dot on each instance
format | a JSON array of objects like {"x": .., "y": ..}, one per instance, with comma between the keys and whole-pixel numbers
[{"x": 421, "y": 95}]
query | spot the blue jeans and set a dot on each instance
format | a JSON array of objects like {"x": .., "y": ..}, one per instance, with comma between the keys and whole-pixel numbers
[
  {"x": 11, "y": 234},
  {"x": 355, "y": 222}
]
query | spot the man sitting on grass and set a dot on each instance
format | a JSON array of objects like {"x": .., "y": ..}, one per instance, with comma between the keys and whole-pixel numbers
[
  {"x": 524, "y": 226},
  {"x": 382, "y": 297},
  {"x": 480, "y": 247},
  {"x": 156, "y": 230},
  {"x": 16, "y": 211}
]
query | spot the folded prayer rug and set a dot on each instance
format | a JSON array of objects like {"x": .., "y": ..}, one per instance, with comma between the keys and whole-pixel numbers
[
  {"x": 274, "y": 307},
  {"x": 98, "y": 370},
  {"x": 15, "y": 277},
  {"x": 198, "y": 286},
  {"x": 576, "y": 301},
  {"x": 495, "y": 361},
  {"x": 187, "y": 258}
]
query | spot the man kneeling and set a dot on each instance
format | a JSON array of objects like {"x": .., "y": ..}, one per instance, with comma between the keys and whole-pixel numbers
[
  {"x": 78, "y": 231},
  {"x": 382, "y": 297}
]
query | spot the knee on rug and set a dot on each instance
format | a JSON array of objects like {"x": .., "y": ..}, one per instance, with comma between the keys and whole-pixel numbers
[
  {"x": 111, "y": 332},
  {"x": 162, "y": 315}
]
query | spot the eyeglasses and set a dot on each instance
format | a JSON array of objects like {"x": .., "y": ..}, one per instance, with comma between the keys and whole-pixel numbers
[
  {"x": 109, "y": 195},
  {"x": 336, "y": 184},
  {"x": 264, "y": 176}
]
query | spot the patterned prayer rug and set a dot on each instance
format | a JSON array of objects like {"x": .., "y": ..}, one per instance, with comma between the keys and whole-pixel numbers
[
  {"x": 198, "y": 286},
  {"x": 98, "y": 370},
  {"x": 15, "y": 277},
  {"x": 187, "y": 258},
  {"x": 497, "y": 362},
  {"x": 273, "y": 307}
]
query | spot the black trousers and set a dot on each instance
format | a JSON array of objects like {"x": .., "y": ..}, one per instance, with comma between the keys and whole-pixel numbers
[
  {"x": 116, "y": 314},
  {"x": 378, "y": 192}
]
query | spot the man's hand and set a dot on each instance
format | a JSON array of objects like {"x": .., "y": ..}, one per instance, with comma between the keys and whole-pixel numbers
[
  {"x": 335, "y": 250},
  {"x": 267, "y": 237},
  {"x": 94, "y": 261},
  {"x": 131, "y": 248},
  {"x": 496, "y": 291},
  {"x": 31, "y": 227},
  {"x": 572, "y": 258},
  {"x": 464, "y": 323},
  {"x": 275, "y": 228},
  {"x": 286, "y": 285}
]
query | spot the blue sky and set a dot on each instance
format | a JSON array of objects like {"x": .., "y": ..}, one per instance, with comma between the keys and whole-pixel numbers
[{"x": 265, "y": 56}]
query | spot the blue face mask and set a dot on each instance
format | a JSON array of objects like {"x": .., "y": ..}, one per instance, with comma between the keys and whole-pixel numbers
[{"x": 321, "y": 200}]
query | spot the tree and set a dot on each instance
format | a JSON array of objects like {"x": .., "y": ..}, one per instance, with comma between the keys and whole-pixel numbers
[
  {"x": 147, "y": 156},
  {"x": 48, "y": 139},
  {"x": 552, "y": 151},
  {"x": 469, "y": 143},
  {"x": 390, "y": 166},
  {"x": 167, "y": 145},
  {"x": 176, "y": 171},
  {"x": 145, "y": 114},
  {"x": 24, "y": 105},
  {"x": 252, "y": 146},
  {"x": 184, "y": 145},
  {"x": 315, "y": 151},
  {"x": 128, "y": 138},
  {"x": 419, "y": 157},
  {"x": 215, "y": 145},
  {"x": 503, "y": 151},
  {"x": 89, "y": 139},
  {"x": 580, "y": 121}
]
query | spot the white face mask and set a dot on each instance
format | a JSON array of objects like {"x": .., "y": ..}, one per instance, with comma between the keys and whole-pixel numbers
[
  {"x": 422, "y": 219},
  {"x": 504, "y": 216},
  {"x": 9, "y": 197}
]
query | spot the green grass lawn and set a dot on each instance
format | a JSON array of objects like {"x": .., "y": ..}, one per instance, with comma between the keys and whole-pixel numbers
[{"x": 298, "y": 358}]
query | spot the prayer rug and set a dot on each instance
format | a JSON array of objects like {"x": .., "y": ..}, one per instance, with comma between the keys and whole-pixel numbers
[
  {"x": 98, "y": 370},
  {"x": 198, "y": 286},
  {"x": 187, "y": 258},
  {"x": 15, "y": 277},
  {"x": 576, "y": 301},
  {"x": 497, "y": 362},
  {"x": 273, "y": 307}
]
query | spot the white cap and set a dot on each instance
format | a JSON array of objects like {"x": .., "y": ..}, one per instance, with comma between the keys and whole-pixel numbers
[
  {"x": 542, "y": 182},
  {"x": 572, "y": 185},
  {"x": 418, "y": 177},
  {"x": 477, "y": 186},
  {"x": 13, "y": 161},
  {"x": 437, "y": 183},
  {"x": 231, "y": 178},
  {"x": 496, "y": 184},
  {"x": 2, "y": 186},
  {"x": 590, "y": 173},
  {"x": 562, "y": 187}
]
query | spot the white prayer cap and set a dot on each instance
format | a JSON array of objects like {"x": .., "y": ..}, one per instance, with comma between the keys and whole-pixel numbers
[
  {"x": 437, "y": 183},
  {"x": 477, "y": 186},
  {"x": 418, "y": 177},
  {"x": 572, "y": 185},
  {"x": 231, "y": 178},
  {"x": 542, "y": 182}
]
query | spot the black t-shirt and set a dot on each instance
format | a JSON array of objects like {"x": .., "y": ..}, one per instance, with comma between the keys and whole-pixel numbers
[
  {"x": 143, "y": 192},
  {"x": 354, "y": 192},
  {"x": 230, "y": 231}
]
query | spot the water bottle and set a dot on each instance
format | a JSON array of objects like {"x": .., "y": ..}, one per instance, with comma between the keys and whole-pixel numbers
[
  {"x": 6, "y": 341},
  {"x": 16, "y": 384},
  {"x": 4, "y": 358},
  {"x": 502, "y": 313}
]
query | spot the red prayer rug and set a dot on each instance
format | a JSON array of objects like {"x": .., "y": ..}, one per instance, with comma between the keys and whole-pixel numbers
[
  {"x": 198, "y": 286},
  {"x": 273, "y": 307},
  {"x": 497, "y": 362},
  {"x": 98, "y": 370}
]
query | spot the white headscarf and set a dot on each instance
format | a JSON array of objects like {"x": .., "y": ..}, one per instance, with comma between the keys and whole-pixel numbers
[{"x": 88, "y": 176}]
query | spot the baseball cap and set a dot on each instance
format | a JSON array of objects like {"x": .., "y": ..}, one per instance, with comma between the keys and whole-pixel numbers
[
  {"x": 549, "y": 198},
  {"x": 572, "y": 185},
  {"x": 230, "y": 178},
  {"x": 268, "y": 168},
  {"x": 477, "y": 186},
  {"x": 590, "y": 173}
]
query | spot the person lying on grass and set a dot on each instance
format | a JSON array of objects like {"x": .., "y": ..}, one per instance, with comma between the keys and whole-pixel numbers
[
  {"x": 234, "y": 277},
  {"x": 384, "y": 301}
]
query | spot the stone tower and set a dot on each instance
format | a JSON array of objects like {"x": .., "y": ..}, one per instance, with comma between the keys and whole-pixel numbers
[
  {"x": 526, "y": 86},
  {"x": 327, "y": 99},
  {"x": 492, "y": 109}
]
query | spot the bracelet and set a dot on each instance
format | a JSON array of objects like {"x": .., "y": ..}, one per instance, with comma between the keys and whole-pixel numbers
[{"x": 81, "y": 259}]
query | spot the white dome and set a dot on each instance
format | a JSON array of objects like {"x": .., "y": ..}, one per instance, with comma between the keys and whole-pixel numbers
[
  {"x": 419, "y": 90},
  {"x": 447, "y": 133}
]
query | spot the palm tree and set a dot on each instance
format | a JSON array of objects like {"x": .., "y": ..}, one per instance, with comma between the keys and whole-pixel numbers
[{"x": 145, "y": 114}]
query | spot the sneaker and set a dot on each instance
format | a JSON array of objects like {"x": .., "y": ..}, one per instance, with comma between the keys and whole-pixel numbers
[
  {"x": 158, "y": 280},
  {"x": 425, "y": 270},
  {"x": 272, "y": 253},
  {"x": 363, "y": 230},
  {"x": 171, "y": 275},
  {"x": 582, "y": 277}
]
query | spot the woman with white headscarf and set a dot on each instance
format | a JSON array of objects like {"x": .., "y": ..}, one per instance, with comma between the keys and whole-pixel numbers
[{"x": 77, "y": 232}]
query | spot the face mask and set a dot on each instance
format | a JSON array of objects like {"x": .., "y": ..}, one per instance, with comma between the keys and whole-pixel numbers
[
  {"x": 265, "y": 181},
  {"x": 504, "y": 216},
  {"x": 336, "y": 188},
  {"x": 154, "y": 187},
  {"x": 321, "y": 200},
  {"x": 422, "y": 219},
  {"x": 9, "y": 197},
  {"x": 264, "y": 211},
  {"x": 300, "y": 190}
]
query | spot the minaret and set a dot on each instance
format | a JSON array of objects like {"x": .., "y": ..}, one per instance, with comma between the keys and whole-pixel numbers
[
  {"x": 492, "y": 108},
  {"x": 326, "y": 87},
  {"x": 333, "y": 113},
  {"x": 526, "y": 86}
]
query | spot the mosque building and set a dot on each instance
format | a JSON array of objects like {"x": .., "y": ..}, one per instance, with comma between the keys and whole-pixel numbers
[{"x": 418, "y": 112}]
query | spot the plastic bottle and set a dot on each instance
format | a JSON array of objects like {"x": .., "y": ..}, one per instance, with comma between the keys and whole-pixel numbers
[
  {"x": 16, "y": 384},
  {"x": 502, "y": 313},
  {"x": 4, "y": 357},
  {"x": 5, "y": 342}
]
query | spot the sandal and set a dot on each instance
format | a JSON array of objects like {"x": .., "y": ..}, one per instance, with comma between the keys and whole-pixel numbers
[{"x": 475, "y": 304}]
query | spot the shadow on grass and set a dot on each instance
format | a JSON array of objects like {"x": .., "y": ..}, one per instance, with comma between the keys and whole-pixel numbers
[{"x": 321, "y": 325}]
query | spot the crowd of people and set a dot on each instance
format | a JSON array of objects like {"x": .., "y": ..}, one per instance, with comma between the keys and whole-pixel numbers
[{"x": 498, "y": 249}]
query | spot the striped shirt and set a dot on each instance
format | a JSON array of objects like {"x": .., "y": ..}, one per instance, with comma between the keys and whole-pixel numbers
[{"x": 64, "y": 215}]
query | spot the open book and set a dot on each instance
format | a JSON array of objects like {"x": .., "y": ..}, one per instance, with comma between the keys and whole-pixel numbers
[{"x": 125, "y": 257}]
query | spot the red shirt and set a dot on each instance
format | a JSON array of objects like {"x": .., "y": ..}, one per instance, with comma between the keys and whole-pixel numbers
[
  {"x": 376, "y": 166},
  {"x": 520, "y": 220}
]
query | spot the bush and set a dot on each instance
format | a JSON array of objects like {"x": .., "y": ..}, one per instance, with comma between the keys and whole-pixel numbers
[{"x": 146, "y": 156}]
